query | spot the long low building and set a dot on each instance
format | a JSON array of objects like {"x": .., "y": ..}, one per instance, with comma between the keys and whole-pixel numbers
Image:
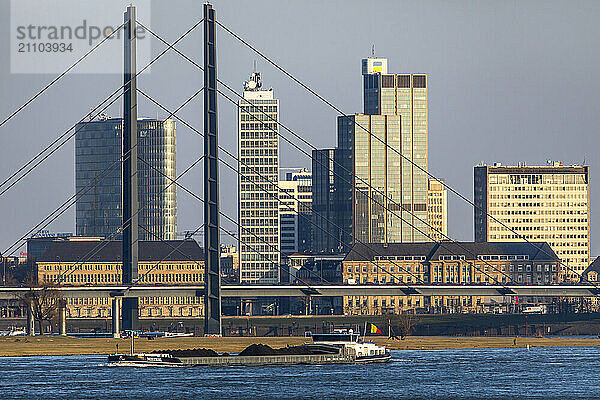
[
  {"x": 445, "y": 263},
  {"x": 79, "y": 262}
]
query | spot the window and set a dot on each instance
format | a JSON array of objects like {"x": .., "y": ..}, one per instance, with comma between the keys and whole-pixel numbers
[
  {"x": 403, "y": 81},
  {"x": 387, "y": 81},
  {"x": 419, "y": 81}
]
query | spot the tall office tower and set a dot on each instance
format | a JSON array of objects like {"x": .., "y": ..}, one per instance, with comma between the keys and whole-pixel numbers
[
  {"x": 404, "y": 95},
  {"x": 98, "y": 209},
  {"x": 258, "y": 193},
  {"x": 542, "y": 203},
  {"x": 324, "y": 230},
  {"x": 372, "y": 69},
  {"x": 384, "y": 184},
  {"x": 437, "y": 210},
  {"x": 295, "y": 204}
]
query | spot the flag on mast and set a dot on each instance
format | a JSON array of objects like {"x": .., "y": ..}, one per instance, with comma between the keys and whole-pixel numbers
[{"x": 373, "y": 329}]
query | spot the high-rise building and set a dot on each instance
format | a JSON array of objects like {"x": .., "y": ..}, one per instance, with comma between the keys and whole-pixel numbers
[
  {"x": 541, "y": 203},
  {"x": 404, "y": 95},
  {"x": 258, "y": 193},
  {"x": 370, "y": 180},
  {"x": 98, "y": 145},
  {"x": 325, "y": 233},
  {"x": 295, "y": 204},
  {"x": 372, "y": 69},
  {"x": 382, "y": 197},
  {"x": 437, "y": 210}
]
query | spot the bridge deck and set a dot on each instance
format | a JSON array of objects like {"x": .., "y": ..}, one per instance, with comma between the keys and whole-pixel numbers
[{"x": 317, "y": 290}]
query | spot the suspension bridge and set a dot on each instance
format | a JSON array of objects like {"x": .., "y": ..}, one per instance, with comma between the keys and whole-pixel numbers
[{"x": 126, "y": 295}]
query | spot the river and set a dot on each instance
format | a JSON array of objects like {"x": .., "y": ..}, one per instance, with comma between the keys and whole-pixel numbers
[{"x": 541, "y": 373}]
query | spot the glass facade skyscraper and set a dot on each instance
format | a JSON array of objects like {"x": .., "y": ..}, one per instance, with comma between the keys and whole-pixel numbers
[
  {"x": 325, "y": 234},
  {"x": 259, "y": 240},
  {"x": 404, "y": 95},
  {"x": 382, "y": 197},
  {"x": 98, "y": 209}
]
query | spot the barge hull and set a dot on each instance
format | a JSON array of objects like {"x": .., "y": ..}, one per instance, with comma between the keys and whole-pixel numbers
[{"x": 268, "y": 360}]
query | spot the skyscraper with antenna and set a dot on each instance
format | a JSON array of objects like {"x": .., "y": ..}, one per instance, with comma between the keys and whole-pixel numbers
[
  {"x": 383, "y": 195},
  {"x": 258, "y": 205}
]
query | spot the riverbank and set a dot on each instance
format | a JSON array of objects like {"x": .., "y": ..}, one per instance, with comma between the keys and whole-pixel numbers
[
  {"x": 565, "y": 325},
  {"x": 57, "y": 345}
]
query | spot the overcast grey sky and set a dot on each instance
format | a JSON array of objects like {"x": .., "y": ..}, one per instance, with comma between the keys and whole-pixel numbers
[{"x": 508, "y": 81}]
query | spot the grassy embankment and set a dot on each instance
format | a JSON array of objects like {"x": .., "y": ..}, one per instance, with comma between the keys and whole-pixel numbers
[{"x": 56, "y": 345}]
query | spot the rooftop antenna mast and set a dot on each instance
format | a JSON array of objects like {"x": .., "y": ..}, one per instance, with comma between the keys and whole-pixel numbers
[{"x": 373, "y": 50}]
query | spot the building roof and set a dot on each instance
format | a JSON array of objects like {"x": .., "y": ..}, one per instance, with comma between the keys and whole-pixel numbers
[
  {"x": 594, "y": 266},
  {"x": 432, "y": 250},
  {"x": 110, "y": 251},
  {"x": 535, "y": 169}
]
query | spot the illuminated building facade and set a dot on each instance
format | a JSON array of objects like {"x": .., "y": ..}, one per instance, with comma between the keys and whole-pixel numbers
[{"x": 540, "y": 203}]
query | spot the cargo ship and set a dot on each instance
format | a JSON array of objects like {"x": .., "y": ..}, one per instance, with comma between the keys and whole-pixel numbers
[{"x": 341, "y": 347}]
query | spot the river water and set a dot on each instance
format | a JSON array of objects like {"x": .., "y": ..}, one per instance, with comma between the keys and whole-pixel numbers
[{"x": 541, "y": 373}]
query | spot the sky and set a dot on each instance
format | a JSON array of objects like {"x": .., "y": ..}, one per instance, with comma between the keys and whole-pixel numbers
[{"x": 508, "y": 82}]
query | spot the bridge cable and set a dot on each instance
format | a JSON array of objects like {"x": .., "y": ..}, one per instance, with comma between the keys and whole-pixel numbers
[
  {"x": 31, "y": 161},
  {"x": 274, "y": 184},
  {"x": 86, "y": 188},
  {"x": 227, "y": 152},
  {"x": 60, "y": 76},
  {"x": 231, "y": 220},
  {"x": 86, "y": 122},
  {"x": 105, "y": 241},
  {"x": 309, "y": 144},
  {"x": 539, "y": 247},
  {"x": 235, "y": 171},
  {"x": 441, "y": 243}
]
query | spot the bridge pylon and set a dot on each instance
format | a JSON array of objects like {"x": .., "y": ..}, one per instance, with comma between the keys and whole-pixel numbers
[{"x": 212, "y": 248}]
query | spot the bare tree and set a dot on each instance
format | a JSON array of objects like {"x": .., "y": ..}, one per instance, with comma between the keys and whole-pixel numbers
[
  {"x": 43, "y": 300},
  {"x": 406, "y": 323}
]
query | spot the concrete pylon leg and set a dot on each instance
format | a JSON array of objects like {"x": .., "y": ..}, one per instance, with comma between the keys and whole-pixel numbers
[
  {"x": 116, "y": 318},
  {"x": 62, "y": 317},
  {"x": 30, "y": 321}
]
